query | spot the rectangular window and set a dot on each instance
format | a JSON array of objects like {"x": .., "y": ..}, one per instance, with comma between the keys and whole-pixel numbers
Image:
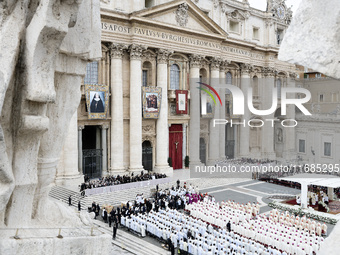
[
  {"x": 145, "y": 78},
  {"x": 256, "y": 33},
  {"x": 279, "y": 36},
  {"x": 149, "y": 3},
  {"x": 321, "y": 98},
  {"x": 302, "y": 146},
  {"x": 327, "y": 149},
  {"x": 318, "y": 75},
  {"x": 91, "y": 76},
  {"x": 234, "y": 26}
]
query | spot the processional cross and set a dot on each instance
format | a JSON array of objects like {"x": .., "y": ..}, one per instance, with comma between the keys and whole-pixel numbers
[{"x": 176, "y": 143}]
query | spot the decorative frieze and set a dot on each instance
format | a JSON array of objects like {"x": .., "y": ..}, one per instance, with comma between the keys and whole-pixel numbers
[{"x": 136, "y": 51}]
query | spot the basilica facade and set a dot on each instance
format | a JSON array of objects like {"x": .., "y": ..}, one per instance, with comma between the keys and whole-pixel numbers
[{"x": 167, "y": 50}]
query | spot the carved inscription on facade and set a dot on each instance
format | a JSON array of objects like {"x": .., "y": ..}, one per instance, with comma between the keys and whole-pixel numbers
[{"x": 114, "y": 28}]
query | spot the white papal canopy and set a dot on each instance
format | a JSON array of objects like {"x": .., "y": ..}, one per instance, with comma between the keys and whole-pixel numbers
[{"x": 329, "y": 181}]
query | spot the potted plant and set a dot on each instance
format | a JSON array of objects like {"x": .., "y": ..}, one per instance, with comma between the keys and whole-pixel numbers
[
  {"x": 186, "y": 161},
  {"x": 170, "y": 162}
]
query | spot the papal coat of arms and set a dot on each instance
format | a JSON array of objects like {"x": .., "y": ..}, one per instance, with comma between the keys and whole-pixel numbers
[{"x": 182, "y": 14}]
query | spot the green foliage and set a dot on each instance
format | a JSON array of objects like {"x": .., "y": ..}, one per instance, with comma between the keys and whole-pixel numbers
[
  {"x": 186, "y": 161},
  {"x": 170, "y": 162}
]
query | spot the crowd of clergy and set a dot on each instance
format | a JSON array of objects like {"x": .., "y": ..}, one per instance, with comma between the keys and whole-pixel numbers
[
  {"x": 300, "y": 223},
  {"x": 314, "y": 198},
  {"x": 226, "y": 228}
]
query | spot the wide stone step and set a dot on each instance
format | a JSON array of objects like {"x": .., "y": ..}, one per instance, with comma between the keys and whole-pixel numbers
[{"x": 132, "y": 243}]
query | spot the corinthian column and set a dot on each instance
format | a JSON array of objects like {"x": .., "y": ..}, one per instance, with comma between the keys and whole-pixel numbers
[
  {"x": 162, "y": 138},
  {"x": 267, "y": 129},
  {"x": 289, "y": 137},
  {"x": 222, "y": 92},
  {"x": 214, "y": 134},
  {"x": 244, "y": 128},
  {"x": 195, "y": 113},
  {"x": 117, "y": 133},
  {"x": 136, "y": 52}
]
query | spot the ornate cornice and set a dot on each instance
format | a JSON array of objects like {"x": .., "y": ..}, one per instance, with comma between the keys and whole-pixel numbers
[
  {"x": 195, "y": 60},
  {"x": 163, "y": 56},
  {"x": 136, "y": 51},
  {"x": 117, "y": 50}
]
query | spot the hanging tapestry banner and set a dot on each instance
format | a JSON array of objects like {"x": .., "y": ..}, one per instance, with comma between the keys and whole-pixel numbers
[
  {"x": 97, "y": 101},
  {"x": 152, "y": 98},
  {"x": 181, "y": 101}
]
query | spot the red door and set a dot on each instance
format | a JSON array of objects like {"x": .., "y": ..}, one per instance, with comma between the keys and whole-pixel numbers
[{"x": 175, "y": 145}]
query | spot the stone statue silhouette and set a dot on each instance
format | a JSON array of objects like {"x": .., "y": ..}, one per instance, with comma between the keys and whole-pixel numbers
[{"x": 39, "y": 39}]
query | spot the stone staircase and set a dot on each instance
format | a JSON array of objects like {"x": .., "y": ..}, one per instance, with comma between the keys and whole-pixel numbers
[
  {"x": 117, "y": 197},
  {"x": 62, "y": 194},
  {"x": 132, "y": 243}
]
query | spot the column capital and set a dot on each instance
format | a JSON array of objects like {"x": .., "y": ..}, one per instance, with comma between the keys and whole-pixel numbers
[
  {"x": 268, "y": 71},
  {"x": 224, "y": 64},
  {"x": 163, "y": 55},
  {"x": 117, "y": 50},
  {"x": 246, "y": 68},
  {"x": 215, "y": 63},
  {"x": 195, "y": 60},
  {"x": 104, "y": 126},
  {"x": 81, "y": 127},
  {"x": 136, "y": 51},
  {"x": 292, "y": 75}
]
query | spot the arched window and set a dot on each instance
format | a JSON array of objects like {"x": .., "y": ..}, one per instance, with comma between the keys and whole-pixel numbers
[
  {"x": 229, "y": 78},
  {"x": 174, "y": 76},
  {"x": 278, "y": 87},
  {"x": 91, "y": 76},
  {"x": 147, "y": 74}
]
